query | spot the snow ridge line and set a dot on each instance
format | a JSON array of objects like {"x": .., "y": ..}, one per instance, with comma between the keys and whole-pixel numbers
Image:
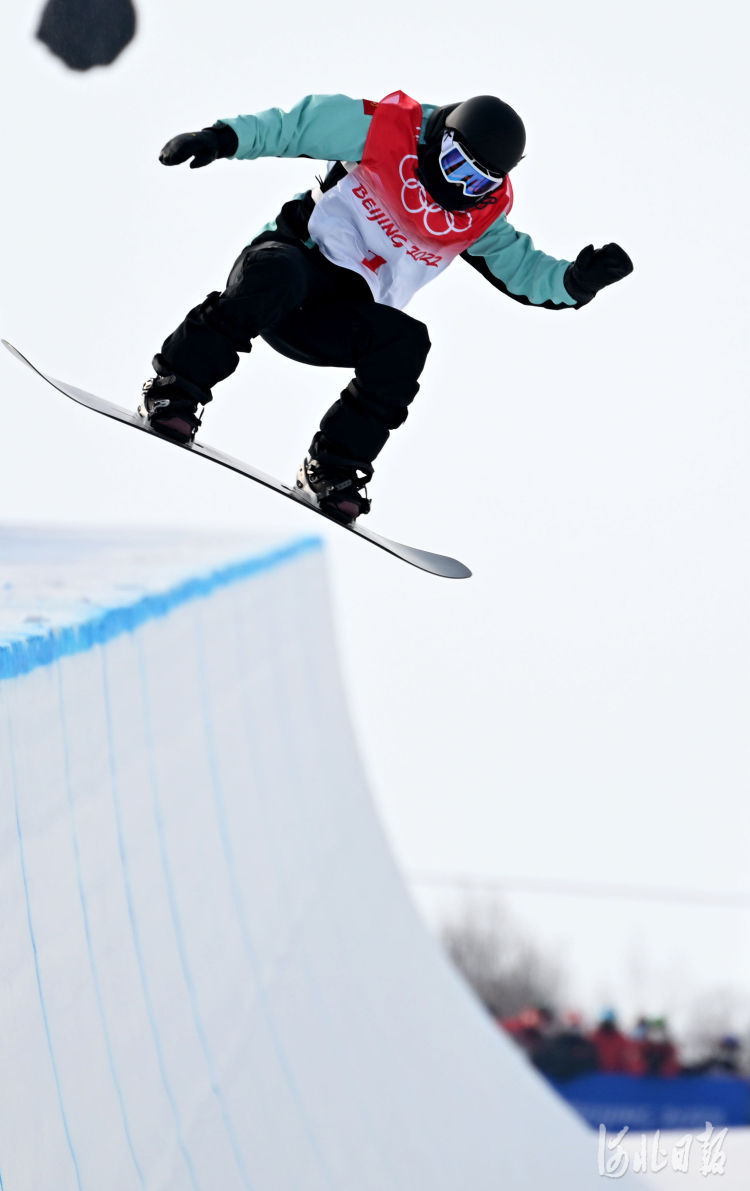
[{"x": 21, "y": 656}]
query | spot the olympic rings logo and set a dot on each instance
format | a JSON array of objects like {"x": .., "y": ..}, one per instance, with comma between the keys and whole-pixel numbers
[{"x": 437, "y": 221}]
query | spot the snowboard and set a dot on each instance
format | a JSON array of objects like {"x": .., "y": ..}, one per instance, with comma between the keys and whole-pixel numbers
[{"x": 435, "y": 564}]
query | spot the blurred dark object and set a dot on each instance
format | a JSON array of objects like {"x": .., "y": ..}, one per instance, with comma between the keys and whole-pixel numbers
[
  {"x": 86, "y": 33},
  {"x": 566, "y": 1053},
  {"x": 725, "y": 1059}
]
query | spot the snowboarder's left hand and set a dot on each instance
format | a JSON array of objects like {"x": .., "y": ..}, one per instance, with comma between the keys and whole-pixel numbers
[
  {"x": 204, "y": 146},
  {"x": 594, "y": 268}
]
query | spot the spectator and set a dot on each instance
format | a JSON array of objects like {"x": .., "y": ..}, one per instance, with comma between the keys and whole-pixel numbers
[
  {"x": 652, "y": 1052},
  {"x": 612, "y": 1046},
  {"x": 566, "y": 1052},
  {"x": 528, "y": 1028},
  {"x": 725, "y": 1059}
]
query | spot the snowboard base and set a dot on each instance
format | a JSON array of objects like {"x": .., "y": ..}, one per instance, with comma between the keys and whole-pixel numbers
[{"x": 435, "y": 564}]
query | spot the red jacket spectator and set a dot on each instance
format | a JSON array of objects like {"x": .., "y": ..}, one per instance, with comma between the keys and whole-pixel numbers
[
  {"x": 527, "y": 1029},
  {"x": 651, "y": 1051},
  {"x": 612, "y": 1046}
]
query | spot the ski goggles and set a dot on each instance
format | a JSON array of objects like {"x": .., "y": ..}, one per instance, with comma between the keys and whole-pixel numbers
[{"x": 458, "y": 167}]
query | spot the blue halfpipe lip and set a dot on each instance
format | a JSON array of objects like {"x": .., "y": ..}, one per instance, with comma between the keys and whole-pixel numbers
[{"x": 42, "y": 648}]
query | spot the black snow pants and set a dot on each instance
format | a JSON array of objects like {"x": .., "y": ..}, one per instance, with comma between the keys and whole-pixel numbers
[{"x": 316, "y": 313}]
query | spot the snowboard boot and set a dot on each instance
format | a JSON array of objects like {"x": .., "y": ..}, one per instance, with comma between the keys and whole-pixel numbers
[
  {"x": 169, "y": 403},
  {"x": 333, "y": 483}
]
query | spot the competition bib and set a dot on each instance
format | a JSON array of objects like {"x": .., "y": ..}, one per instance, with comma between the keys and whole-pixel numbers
[{"x": 380, "y": 221}]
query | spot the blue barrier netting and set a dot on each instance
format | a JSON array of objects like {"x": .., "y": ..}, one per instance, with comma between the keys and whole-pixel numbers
[{"x": 648, "y": 1104}]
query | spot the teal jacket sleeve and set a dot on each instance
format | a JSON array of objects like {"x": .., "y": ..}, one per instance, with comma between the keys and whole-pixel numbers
[
  {"x": 509, "y": 260},
  {"x": 324, "y": 127}
]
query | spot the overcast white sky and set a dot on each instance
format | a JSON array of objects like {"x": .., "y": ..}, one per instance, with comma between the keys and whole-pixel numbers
[{"x": 579, "y": 709}]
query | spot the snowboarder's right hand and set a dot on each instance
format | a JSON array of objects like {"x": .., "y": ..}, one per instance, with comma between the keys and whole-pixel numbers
[{"x": 204, "y": 146}]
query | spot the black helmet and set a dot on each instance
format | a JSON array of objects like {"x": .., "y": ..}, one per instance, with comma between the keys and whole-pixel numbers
[{"x": 490, "y": 131}]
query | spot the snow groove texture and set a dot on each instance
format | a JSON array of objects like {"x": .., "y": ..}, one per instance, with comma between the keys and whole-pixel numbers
[{"x": 212, "y": 976}]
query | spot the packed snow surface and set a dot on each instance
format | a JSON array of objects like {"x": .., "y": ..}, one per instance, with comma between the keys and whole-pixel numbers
[{"x": 212, "y": 974}]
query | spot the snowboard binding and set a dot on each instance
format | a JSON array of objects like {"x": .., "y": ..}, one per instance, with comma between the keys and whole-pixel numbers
[
  {"x": 335, "y": 484},
  {"x": 169, "y": 403}
]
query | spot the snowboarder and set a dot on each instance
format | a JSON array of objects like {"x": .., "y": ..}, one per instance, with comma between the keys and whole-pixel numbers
[{"x": 409, "y": 187}]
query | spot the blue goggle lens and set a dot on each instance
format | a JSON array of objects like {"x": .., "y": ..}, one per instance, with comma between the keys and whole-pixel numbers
[{"x": 458, "y": 167}]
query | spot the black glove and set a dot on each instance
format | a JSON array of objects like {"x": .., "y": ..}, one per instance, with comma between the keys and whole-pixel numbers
[
  {"x": 204, "y": 146},
  {"x": 594, "y": 268}
]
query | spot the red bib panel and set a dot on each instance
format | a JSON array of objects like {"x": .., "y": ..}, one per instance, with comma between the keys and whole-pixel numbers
[{"x": 380, "y": 221}]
